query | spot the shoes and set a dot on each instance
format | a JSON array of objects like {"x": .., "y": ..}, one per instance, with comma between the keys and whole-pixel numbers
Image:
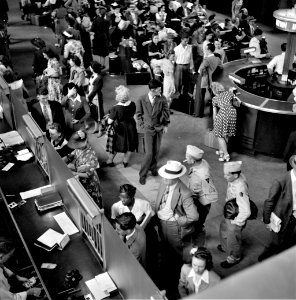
[
  {"x": 219, "y": 247},
  {"x": 142, "y": 180},
  {"x": 171, "y": 112},
  {"x": 105, "y": 164},
  {"x": 125, "y": 164},
  {"x": 154, "y": 173},
  {"x": 226, "y": 265}
]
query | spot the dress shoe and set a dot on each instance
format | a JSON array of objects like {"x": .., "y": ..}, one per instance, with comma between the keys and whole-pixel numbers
[
  {"x": 171, "y": 112},
  {"x": 154, "y": 173},
  {"x": 125, "y": 164},
  {"x": 219, "y": 247},
  {"x": 226, "y": 265},
  {"x": 142, "y": 180}
]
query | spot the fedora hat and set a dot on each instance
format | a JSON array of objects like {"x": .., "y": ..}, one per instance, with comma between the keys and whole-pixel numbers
[
  {"x": 292, "y": 161},
  {"x": 78, "y": 140},
  {"x": 172, "y": 169}
]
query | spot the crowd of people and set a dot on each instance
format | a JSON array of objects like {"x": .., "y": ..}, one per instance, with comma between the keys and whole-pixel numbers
[{"x": 182, "y": 46}]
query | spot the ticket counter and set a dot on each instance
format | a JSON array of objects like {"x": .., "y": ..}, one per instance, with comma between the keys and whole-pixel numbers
[{"x": 263, "y": 124}]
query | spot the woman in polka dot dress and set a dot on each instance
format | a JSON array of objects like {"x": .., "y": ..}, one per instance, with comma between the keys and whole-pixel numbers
[{"x": 224, "y": 114}]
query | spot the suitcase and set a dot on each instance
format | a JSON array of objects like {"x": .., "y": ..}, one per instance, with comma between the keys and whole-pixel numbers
[
  {"x": 137, "y": 78},
  {"x": 210, "y": 140}
]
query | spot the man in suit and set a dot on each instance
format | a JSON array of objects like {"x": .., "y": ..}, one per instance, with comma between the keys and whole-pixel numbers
[
  {"x": 132, "y": 235},
  {"x": 175, "y": 215},
  {"x": 153, "y": 117},
  {"x": 46, "y": 112},
  {"x": 174, "y": 207},
  {"x": 282, "y": 202},
  {"x": 209, "y": 65}
]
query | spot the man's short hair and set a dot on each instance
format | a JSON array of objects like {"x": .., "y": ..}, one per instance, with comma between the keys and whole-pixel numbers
[
  {"x": 211, "y": 47},
  {"x": 126, "y": 221},
  {"x": 154, "y": 84},
  {"x": 258, "y": 31},
  {"x": 72, "y": 85},
  {"x": 43, "y": 91},
  {"x": 184, "y": 35},
  {"x": 284, "y": 47}
]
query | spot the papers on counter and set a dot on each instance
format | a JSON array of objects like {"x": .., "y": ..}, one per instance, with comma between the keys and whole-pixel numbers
[
  {"x": 66, "y": 224},
  {"x": 51, "y": 238},
  {"x": 24, "y": 155},
  {"x": 101, "y": 286},
  {"x": 11, "y": 138},
  {"x": 8, "y": 167},
  {"x": 33, "y": 193}
]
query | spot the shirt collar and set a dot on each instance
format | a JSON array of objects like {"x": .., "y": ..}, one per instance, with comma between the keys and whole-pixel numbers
[
  {"x": 204, "y": 276},
  {"x": 77, "y": 98},
  {"x": 130, "y": 235},
  {"x": 293, "y": 176}
]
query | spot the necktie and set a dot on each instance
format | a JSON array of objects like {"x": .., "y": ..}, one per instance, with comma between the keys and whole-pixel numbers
[
  {"x": 164, "y": 197},
  {"x": 153, "y": 101},
  {"x": 46, "y": 114},
  {"x": 124, "y": 239}
]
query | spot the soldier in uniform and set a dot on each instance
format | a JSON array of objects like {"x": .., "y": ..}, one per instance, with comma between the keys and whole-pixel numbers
[
  {"x": 231, "y": 229},
  {"x": 202, "y": 187}
]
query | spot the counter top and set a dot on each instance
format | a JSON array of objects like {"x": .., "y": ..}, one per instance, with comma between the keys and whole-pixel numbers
[{"x": 248, "y": 99}]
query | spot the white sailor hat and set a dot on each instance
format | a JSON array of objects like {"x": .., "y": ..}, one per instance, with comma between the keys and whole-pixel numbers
[
  {"x": 232, "y": 167},
  {"x": 194, "y": 151}
]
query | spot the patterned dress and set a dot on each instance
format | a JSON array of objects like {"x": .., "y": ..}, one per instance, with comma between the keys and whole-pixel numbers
[
  {"x": 225, "y": 122},
  {"x": 52, "y": 72},
  {"x": 85, "y": 160}
]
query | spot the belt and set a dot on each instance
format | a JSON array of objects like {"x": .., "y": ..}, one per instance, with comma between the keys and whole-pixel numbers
[{"x": 183, "y": 64}]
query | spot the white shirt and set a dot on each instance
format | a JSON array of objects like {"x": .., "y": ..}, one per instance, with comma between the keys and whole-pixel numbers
[
  {"x": 254, "y": 42},
  {"x": 277, "y": 63},
  {"x": 293, "y": 179},
  {"x": 49, "y": 112},
  {"x": 184, "y": 55},
  {"x": 151, "y": 99},
  {"x": 166, "y": 212},
  {"x": 204, "y": 277},
  {"x": 140, "y": 208}
]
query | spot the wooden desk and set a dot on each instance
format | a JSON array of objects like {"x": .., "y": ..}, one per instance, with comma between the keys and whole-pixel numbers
[
  {"x": 30, "y": 225},
  {"x": 263, "y": 124}
]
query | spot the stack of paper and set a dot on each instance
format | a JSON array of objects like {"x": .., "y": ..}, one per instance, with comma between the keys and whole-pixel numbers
[
  {"x": 49, "y": 239},
  {"x": 275, "y": 222},
  {"x": 66, "y": 224},
  {"x": 24, "y": 155},
  {"x": 11, "y": 138},
  {"x": 101, "y": 286},
  {"x": 33, "y": 193}
]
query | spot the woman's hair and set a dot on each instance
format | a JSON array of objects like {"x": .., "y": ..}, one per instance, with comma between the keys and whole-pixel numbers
[
  {"x": 76, "y": 60},
  {"x": 217, "y": 88},
  {"x": 96, "y": 67},
  {"x": 122, "y": 94},
  {"x": 55, "y": 126},
  {"x": 49, "y": 53},
  {"x": 129, "y": 189},
  {"x": 9, "y": 76},
  {"x": 204, "y": 254}
]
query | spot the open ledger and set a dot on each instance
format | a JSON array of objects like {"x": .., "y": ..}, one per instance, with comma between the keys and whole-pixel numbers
[
  {"x": 101, "y": 286},
  {"x": 51, "y": 239}
]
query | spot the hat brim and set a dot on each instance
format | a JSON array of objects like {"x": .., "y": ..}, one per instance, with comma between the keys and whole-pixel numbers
[
  {"x": 166, "y": 175},
  {"x": 292, "y": 161}
]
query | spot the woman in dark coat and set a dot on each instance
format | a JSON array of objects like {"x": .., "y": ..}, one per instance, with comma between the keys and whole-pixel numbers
[
  {"x": 100, "y": 27},
  {"x": 122, "y": 136}
]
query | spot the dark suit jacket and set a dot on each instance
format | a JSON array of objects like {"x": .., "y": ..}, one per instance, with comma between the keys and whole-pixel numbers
[
  {"x": 280, "y": 200},
  {"x": 137, "y": 245},
  {"x": 152, "y": 119},
  {"x": 57, "y": 114},
  {"x": 290, "y": 148},
  {"x": 181, "y": 204}
]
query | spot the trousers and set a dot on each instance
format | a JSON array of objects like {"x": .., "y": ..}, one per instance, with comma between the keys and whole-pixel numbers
[
  {"x": 182, "y": 78},
  {"x": 231, "y": 238},
  {"x": 152, "y": 143}
]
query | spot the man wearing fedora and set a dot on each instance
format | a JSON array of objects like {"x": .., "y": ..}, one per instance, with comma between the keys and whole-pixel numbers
[
  {"x": 281, "y": 201},
  {"x": 231, "y": 226},
  {"x": 174, "y": 207},
  {"x": 201, "y": 184},
  {"x": 153, "y": 117}
]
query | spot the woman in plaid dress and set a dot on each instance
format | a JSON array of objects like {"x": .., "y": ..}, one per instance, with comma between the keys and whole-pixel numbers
[{"x": 224, "y": 114}]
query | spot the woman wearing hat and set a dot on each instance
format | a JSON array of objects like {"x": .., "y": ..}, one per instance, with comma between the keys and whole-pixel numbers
[
  {"x": 83, "y": 164},
  {"x": 125, "y": 137},
  {"x": 198, "y": 275},
  {"x": 224, "y": 115}
]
